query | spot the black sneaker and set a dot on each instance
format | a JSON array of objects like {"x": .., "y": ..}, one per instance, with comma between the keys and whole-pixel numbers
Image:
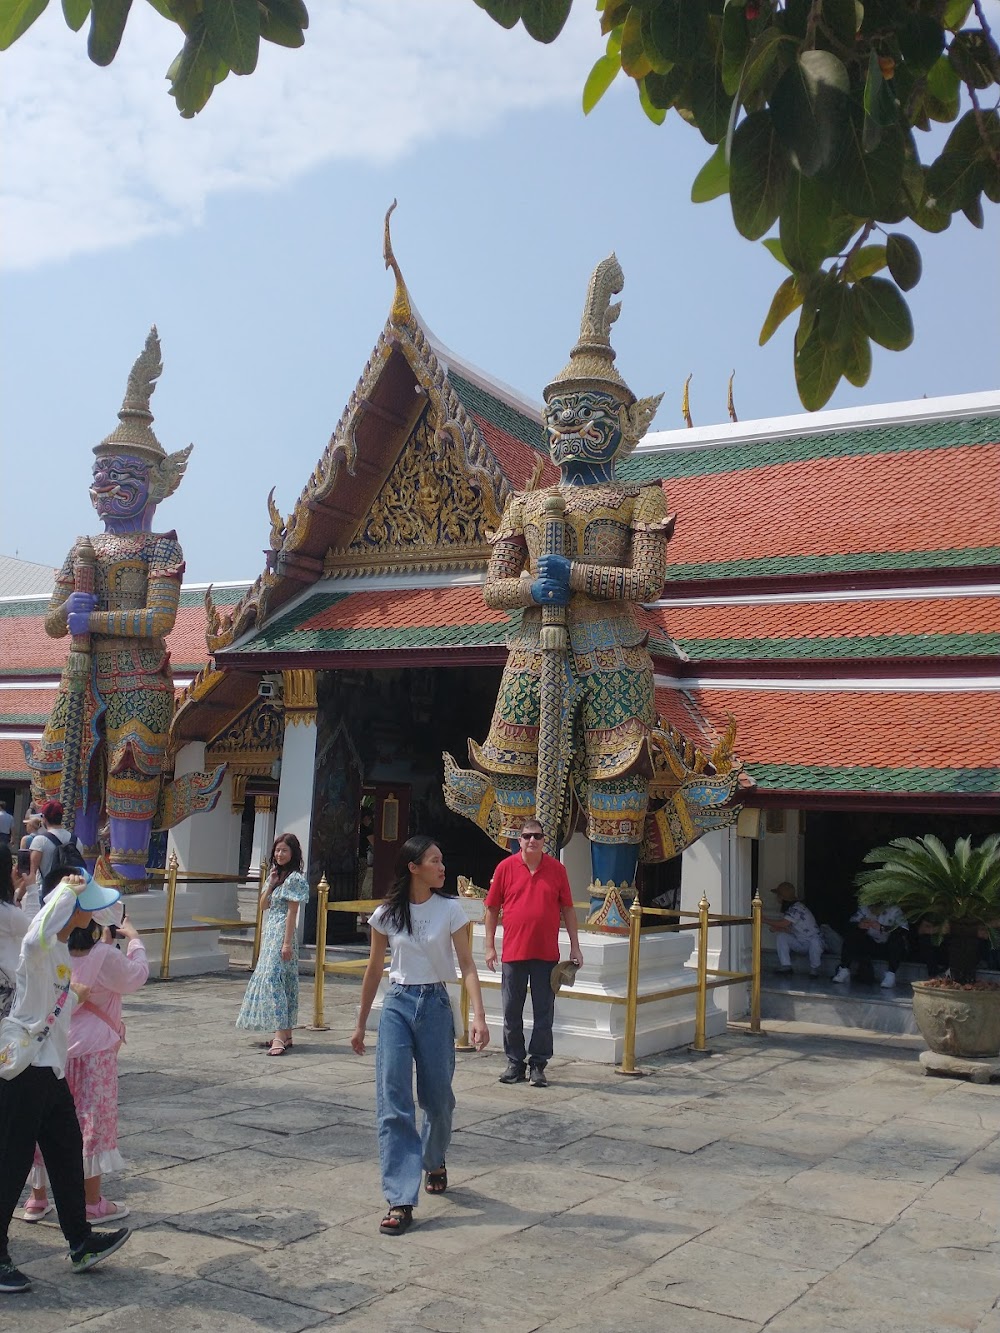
[
  {"x": 514, "y": 1073},
  {"x": 536, "y": 1077},
  {"x": 12, "y": 1280},
  {"x": 97, "y": 1248}
]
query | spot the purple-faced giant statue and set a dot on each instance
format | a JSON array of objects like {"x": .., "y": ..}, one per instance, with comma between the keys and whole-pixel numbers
[{"x": 117, "y": 595}]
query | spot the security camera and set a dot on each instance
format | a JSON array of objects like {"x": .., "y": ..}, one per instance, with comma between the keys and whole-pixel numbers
[{"x": 265, "y": 690}]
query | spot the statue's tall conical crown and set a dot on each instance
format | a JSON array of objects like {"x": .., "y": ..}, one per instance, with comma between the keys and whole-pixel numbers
[
  {"x": 591, "y": 363},
  {"x": 134, "y": 432}
]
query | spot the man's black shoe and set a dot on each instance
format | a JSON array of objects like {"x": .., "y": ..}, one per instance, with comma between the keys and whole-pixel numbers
[
  {"x": 97, "y": 1248},
  {"x": 536, "y": 1077},
  {"x": 12, "y": 1280},
  {"x": 514, "y": 1073}
]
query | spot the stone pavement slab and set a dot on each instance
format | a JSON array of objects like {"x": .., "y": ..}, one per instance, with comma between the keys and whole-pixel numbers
[{"x": 796, "y": 1183}]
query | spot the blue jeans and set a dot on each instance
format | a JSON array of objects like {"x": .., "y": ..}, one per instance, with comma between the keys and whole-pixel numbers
[
  {"x": 514, "y": 981},
  {"x": 416, "y": 1027}
]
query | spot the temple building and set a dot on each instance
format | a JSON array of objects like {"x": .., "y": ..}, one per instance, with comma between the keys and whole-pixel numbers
[{"x": 831, "y": 592}]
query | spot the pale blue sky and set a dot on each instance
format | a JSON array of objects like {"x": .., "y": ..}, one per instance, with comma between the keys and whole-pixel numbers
[{"x": 252, "y": 238}]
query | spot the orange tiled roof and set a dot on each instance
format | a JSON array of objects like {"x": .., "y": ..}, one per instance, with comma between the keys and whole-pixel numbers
[
  {"x": 921, "y": 729},
  {"x": 927, "y": 500},
  {"x": 779, "y": 620},
  {"x": 24, "y": 645},
  {"x": 406, "y": 608}
]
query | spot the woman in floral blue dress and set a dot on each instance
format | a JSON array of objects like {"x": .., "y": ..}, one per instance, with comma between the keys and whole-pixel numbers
[{"x": 271, "y": 1002}]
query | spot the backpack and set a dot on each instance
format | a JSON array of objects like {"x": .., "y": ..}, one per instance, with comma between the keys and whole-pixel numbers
[{"x": 68, "y": 859}]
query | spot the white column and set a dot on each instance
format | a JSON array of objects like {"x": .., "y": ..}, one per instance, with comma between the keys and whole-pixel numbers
[
  {"x": 575, "y": 856},
  {"x": 210, "y": 840},
  {"x": 264, "y": 810},
  {"x": 298, "y": 765},
  {"x": 705, "y": 869}
]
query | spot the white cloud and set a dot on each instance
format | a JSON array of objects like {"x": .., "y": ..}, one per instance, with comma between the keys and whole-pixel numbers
[{"x": 96, "y": 158}]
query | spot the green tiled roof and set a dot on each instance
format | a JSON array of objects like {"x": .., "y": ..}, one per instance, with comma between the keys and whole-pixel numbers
[
  {"x": 739, "y": 457},
  {"x": 776, "y": 565},
  {"x": 220, "y": 596},
  {"x": 25, "y": 719},
  {"x": 829, "y": 777},
  {"x": 813, "y": 646},
  {"x": 524, "y": 428},
  {"x": 34, "y": 606}
]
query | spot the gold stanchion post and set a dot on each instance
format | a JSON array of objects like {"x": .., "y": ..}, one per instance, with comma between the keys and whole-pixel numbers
[
  {"x": 322, "y": 902},
  {"x": 702, "y": 997},
  {"x": 627, "y": 1065},
  {"x": 463, "y": 1043},
  {"x": 259, "y": 919},
  {"x": 756, "y": 909},
  {"x": 168, "y": 920}
]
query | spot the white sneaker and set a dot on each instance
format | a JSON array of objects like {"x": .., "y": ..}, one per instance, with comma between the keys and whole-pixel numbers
[
  {"x": 842, "y": 974},
  {"x": 888, "y": 981}
]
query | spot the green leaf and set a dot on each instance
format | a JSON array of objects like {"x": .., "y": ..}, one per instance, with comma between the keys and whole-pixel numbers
[
  {"x": 973, "y": 58},
  {"x": 659, "y": 62},
  {"x": 663, "y": 90},
  {"x": 544, "y": 19},
  {"x": 955, "y": 13},
  {"x": 75, "y": 13},
  {"x": 903, "y": 259},
  {"x": 956, "y": 177},
  {"x": 805, "y": 223},
  {"x": 880, "y": 105},
  {"x": 599, "y": 80},
  {"x": 858, "y": 358},
  {"x": 107, "y": 24},
  {"x": 713, "y": 179},
  {"x": 773, "y": 244},
  {"x": 710, "y": 103},
  {"x": 232, "y": 29},
  {"x": 974, "y": 212},
  {"x": 635, "y": 62},
  {"x": 786, "y": 299},
  {"x": 283, "y": 22},
  {"x": 735, "y": 45},
  {"x": 841, "y": 17},
  {"x": 771, "y": 53},
  {"x": 504, "y": 12},
  {"x": 921, "y": 41},
  {"x": 864, "y": 262},
  {"x": 818, "y": 368},
  {"x": 835, "y": 317},
  {"x": 195, "y": 72},
  {"x": 657, "y": 114},
  {"x": 677, "y": 30},
  {"x": 869, "y": 185},
  {"x": 16, "y": 17},
  {"x": 758, "y": 174},
  {"x": 808, "y": 106},
  {"x": 883, "y": 313},
  {"x": 941, "y": 95}
]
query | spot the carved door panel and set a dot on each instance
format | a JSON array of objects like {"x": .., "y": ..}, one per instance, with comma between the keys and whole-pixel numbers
[{"x": 392, "y": 828}]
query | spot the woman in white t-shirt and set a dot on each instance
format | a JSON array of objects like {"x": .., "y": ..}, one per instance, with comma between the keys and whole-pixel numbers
[{"x": 422, "y": 928}]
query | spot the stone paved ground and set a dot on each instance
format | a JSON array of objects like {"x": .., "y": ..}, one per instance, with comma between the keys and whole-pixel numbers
[{"x": 793, "y": 1183}]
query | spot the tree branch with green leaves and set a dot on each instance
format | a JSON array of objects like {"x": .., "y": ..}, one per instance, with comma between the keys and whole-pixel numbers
[{"x": 815, "y": 108}]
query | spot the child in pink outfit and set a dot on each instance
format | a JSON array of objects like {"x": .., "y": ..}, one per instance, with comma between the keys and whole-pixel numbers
[{"x": 95, "y": 1034}]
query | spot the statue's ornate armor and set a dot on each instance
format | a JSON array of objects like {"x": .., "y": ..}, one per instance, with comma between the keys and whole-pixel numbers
[
  {"x": 616, "y": 537},
  {"x": 130, "y": 695}
]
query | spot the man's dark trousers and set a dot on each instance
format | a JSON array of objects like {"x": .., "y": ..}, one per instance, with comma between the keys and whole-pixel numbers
[{"x": 515, "y": 980}]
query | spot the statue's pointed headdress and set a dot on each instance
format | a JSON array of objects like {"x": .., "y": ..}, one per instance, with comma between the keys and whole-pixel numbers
[
  {"x": 134, "y": 436},
  {"x": 591, "y": 363}
]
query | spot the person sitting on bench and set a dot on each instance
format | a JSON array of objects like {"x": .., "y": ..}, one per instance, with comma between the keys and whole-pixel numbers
[{"x": 874, "y": 933}]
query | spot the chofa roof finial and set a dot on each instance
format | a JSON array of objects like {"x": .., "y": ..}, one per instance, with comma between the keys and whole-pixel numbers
[{"x": 401, "y": 312}]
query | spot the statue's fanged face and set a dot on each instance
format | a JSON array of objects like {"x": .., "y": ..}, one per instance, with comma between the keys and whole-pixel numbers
[
  {"x": 121, "y": 487},
  {"x": 583, "y": 427}
]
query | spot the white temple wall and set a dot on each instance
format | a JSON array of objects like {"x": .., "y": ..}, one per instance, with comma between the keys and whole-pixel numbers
[{"x": 295, "y": 785}]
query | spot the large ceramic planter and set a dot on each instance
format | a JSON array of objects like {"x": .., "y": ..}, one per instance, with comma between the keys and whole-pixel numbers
[{"x": 963, "y": 1023}]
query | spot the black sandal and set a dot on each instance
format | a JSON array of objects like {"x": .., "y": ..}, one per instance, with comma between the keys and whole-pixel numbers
[
  {"x": 397, "y": 1219},
  {"x": 437, "y": 1181}
]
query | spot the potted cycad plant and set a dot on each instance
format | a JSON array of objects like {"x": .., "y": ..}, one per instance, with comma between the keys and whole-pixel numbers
[{"x": 957, "y": 894}]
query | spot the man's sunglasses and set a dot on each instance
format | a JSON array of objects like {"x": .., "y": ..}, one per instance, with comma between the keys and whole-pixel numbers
[{"x": 539, "y": 837}]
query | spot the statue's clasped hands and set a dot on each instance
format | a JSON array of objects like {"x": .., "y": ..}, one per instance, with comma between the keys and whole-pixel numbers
[
  {"x": 552, "y": 588},
  {"x": 78, "y": 607}
]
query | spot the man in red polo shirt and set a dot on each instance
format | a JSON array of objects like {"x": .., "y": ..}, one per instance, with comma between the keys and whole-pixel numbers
[{"x": 532, "y": 890}]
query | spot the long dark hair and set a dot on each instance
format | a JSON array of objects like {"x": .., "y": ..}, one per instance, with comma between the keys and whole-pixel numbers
[
  {"x": 398, "y": 895},
  {"x": 83, "y": 938},
  {"x": 6, "y": 874},
  {"x": 295, "y": 847}
]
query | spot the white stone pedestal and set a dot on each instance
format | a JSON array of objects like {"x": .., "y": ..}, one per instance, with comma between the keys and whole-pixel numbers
[{"x": 192, "y": 953}]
